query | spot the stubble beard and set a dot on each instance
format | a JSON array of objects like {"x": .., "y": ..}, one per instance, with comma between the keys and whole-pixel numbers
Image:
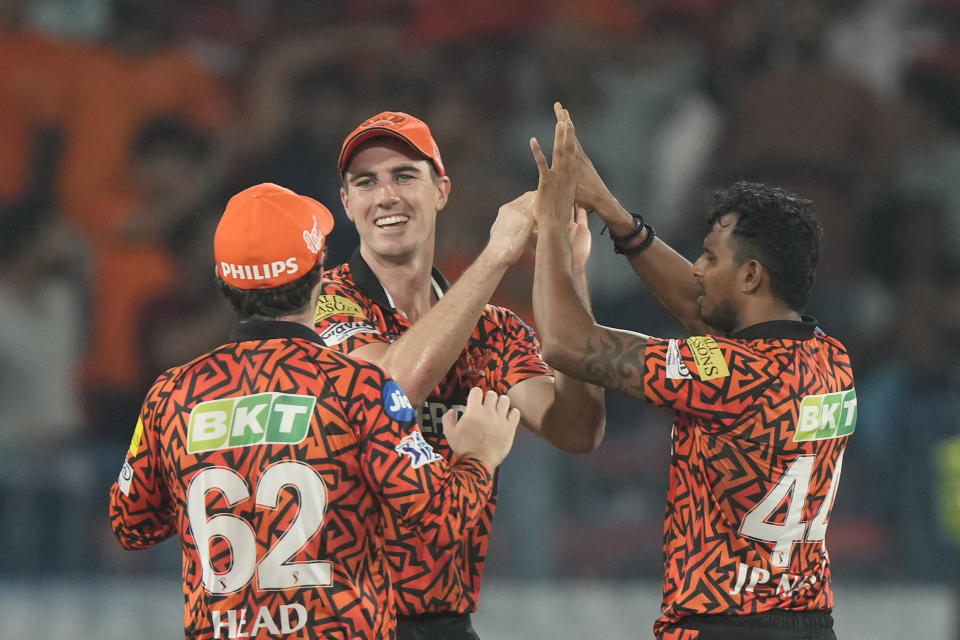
[{"x": 724, "y": 317}]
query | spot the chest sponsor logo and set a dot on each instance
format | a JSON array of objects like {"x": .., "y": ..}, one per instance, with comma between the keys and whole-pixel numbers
[
  {"x": 708, "y": 356},
  {"x": 827, "y": 415},
  {"x": 418, "y": 449},
  {"x": 340, "y": 331},
  {"x": 337, "y": 305},
  {"x": 396, "y": 403},
  {"x": 676, "y": 367},
  {"x": 264, "y": 418}
]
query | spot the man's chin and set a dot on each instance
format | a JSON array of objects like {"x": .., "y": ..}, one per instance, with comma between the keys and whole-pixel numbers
[
  {"x": 721, "y": 323},
  {"x": 701, "y": 314}
]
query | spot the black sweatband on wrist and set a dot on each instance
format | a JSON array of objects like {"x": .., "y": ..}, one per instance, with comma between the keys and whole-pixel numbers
[
  {"x": 618, "y": 243},
  {"x": 637, "y": 228}
]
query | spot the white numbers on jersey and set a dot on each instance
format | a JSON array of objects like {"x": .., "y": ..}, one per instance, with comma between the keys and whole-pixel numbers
[
  {"x": 793, "y": 485},
  {"x": 275, "y": 571}
]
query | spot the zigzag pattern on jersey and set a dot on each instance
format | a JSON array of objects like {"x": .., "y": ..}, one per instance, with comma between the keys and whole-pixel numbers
[
  {"x": 732, "y": 442},
  {"x": 238, "y": 370},
  {"x": 680, "y": 634},
  {"x": 351, "y": 534},
  {"x": 501, "y": 351},
  {"x": 140, "y": 513}
]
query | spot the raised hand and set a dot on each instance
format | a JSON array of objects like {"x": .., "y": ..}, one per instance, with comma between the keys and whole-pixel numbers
[
  {"x": 512, "y": 229},
  {"x": 556, "y": 189},
  {"x": 592, "y": 192}
]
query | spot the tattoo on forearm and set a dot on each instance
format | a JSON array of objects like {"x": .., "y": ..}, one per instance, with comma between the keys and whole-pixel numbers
[{"x": 615, "y": 361}]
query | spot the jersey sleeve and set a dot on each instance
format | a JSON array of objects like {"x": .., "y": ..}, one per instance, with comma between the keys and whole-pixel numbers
[
  {"x": 141, "y": 509},
  {"x": 520, "y": 356},
  {"x": 344, "y": 319},
  {"x": 436, "y": 499},
  {"x": 705, "y": 376}
]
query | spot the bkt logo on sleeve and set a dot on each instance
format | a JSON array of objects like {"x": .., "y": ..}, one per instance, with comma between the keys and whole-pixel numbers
[
  {"x": 396, "y": 403},
  {"x": 418, "y": 449}
]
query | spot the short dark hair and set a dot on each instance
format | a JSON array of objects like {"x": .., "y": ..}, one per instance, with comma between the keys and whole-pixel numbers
[
  {"x": 284, "y": 300},
  {"x": 778, "y": 229}
]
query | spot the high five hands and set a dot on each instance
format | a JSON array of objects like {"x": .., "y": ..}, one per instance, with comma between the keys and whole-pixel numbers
[{"x": 557, "y": 187}]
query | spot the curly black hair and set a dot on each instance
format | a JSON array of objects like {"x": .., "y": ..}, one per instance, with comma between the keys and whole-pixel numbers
[
  {"x": 284, "y": 300},
  {"x": 778, "y": 229}
]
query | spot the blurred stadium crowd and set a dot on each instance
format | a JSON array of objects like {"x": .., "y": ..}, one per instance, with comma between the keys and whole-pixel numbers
[{"x": 126, "y": 124}]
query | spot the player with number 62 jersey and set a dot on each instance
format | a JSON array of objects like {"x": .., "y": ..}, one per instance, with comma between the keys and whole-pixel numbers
[{"x": 273, "y": 457}]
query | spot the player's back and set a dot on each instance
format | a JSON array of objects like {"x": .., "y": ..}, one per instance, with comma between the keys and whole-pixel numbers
[
  {"x": 793, "y": 440},
  {"x": 281, "y": 534},
  {"x": 758, "y": 451}
]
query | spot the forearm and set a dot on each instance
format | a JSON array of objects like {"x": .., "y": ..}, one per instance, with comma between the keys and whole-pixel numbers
[
  {"x": 576, "y": 420},
  {"x": 563, "y": 319},
  {"x": 425, "y": 352},
  {"x": 666, "y": 273},
  {"x": 572, "y": 342},
  {"x": 581, "y": 287}
]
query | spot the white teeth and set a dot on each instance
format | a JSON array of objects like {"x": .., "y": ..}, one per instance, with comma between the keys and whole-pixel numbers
[{"x": 382, "y": 222}]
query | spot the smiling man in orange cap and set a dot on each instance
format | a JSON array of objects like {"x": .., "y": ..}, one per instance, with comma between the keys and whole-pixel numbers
[
  {"x": 272, "y": 457},
  {"x": 391, "y": 306}
]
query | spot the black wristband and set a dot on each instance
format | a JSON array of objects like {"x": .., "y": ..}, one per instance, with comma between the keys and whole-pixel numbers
[
  {"x": 618, "y": 244},
  {"x": 638, "y": 227}
]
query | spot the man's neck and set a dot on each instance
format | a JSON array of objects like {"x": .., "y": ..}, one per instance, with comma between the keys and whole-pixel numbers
[
  {"x": 768, "y": 310},
  {"x": 305, "y": 317},
  {"x": 407, "y": 282}
]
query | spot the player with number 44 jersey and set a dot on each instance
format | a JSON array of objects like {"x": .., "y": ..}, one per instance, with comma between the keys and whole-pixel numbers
[
  {"x": 757, "y": 452},
  {"x": 764, "y": 401}
]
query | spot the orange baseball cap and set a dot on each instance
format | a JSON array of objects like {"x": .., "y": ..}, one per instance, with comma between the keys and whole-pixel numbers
[
  {"x": 396, "y": 124},
  {"x": 269, "y": 236}
]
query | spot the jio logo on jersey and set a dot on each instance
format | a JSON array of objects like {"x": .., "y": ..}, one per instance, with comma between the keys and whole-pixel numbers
[{"x": 396, "y": 403}]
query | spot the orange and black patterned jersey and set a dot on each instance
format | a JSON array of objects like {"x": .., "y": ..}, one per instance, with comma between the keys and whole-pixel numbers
[
  {"x": 762, "y": 420},
  {"x": 272, "y": 458},
  {"x": 355, "y": 310}
]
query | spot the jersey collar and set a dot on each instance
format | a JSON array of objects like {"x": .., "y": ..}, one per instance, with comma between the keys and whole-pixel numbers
[
  {"x": 370, "y": 286},
  {"x": 779, "y": 329},
  {"x": 271, "y": 329}
]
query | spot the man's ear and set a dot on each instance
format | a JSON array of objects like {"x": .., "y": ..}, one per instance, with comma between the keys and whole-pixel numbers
[
  {"x": 344, "y": 199},
  {"x": 443, "y": 192},
  {"x": 752, "y": 273}
]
